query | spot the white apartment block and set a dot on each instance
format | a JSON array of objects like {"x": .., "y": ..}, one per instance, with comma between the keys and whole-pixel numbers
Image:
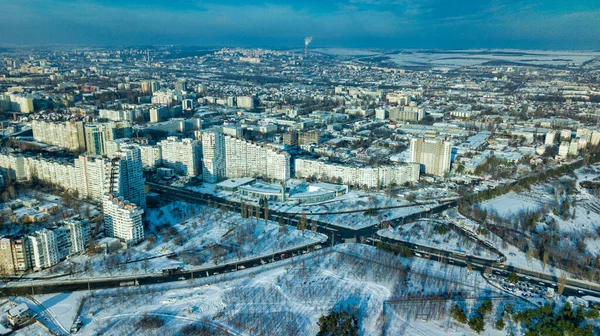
[
  {"x": 550, "y": 138},
  {"x": 43, "y": 249},
  {"x": 112, "y": 147},
  {"x": 12, "y": 166},
  {"x": 79, "y": 235},
  {"x": 58, "y": 172},
  {"x": 595, "y": 139},
  {"x": 89, "y": 175},
  {"x": 183, "y": 156},
  {"x": 151, "y": 155},
  {"x": 68, "y": 134},
  {"x": 370, "y": 177},
  {"x": 126, "y": 177},
  {"x": 92, "y": 176},
  {"x": 122, "y": 219},
  {"x": 435, "y": 155},
  {"x": 563, "y": 149},
  {"x": 249, "y": 159},
  {"x": 229, "y": 157},
  {"x": 18, "y": 103},
  {"x": 117, "y": 115},
  {"x": 213, "y": 156},
  {"x": 574, "y": 147},
  {"x": 245, "y": 102}
]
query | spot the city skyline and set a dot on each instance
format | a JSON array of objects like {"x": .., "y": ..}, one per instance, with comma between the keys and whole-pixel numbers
[{"x": 350, "y": 23}]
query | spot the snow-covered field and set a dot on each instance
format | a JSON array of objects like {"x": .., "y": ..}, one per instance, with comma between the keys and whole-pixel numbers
[
  {"x": 346, "y": 52},
  {"x": 509, "y": 205},
  {"x": 388, "y": 294},
  {"x": 423, "y": 232},
  {"x": 457, "y": 58}
]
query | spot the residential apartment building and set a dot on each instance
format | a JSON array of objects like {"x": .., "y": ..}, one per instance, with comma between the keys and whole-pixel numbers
[
  {"x": 213, "y": 156},
  {"x": 181, "y": 155},
  {"x": 55, "y": 171},
  {"x": 229, "y": 157},
  {"x": 125, "y": 175},
  {"x": 92, "y": 176},
  {"x": 79, "y": 235},
  {"x": 43, "y": 249},
  {"x": 370, "y": 177},
  {"x": 406, "y": 113},
  {"x": 245, "y": 102},
  {"x": 122, "y": 219},
  {"x": 17, "y": 103},
  {"x": 68, "y": 134},
  {"x": 151, "y": 155},
  {"x": 434, "y": 155},
  {"x": 97, "y": 134},
  {"x": 14, "y": 255}
]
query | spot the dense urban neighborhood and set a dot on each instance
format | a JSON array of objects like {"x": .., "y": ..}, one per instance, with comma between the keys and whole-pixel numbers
[{"x": 181, "y": 190}]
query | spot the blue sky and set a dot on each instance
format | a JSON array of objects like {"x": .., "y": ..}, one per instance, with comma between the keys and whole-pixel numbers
[{"x": 447, "y": 24}]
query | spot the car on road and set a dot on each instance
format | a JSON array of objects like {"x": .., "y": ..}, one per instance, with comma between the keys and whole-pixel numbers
[{"x": 580, "y": 292}]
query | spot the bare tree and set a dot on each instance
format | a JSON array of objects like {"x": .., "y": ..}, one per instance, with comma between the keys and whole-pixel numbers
[{"x": 562, "y": 282}]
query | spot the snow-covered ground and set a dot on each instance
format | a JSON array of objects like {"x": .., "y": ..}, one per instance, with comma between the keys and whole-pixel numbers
[
  {"x": 201, "y": 236},
  {"x": 457, "y": 58},
  {"x": 358, "y": 202},
  {"x": 424, "y": 232},
  {"x": 288, "y": 300},
  {"x": 352, "y": 201},
  {"x": 511, "y": 204},
  {"x": 588, "y": 173}
]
